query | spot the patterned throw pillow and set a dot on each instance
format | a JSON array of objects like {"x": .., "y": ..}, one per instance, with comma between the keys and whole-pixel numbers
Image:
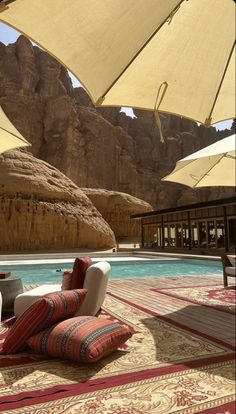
[
  {"x": 66, "y": 280},
  {"x": 45, "y": 312},
  {"x": 81, "y": 264},
  {"x": 81, "y": 339}
]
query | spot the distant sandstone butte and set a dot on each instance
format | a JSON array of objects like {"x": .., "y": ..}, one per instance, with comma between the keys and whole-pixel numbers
[
  {"x": 116, "y": 208},
  {"x": 41, "y": 209}
]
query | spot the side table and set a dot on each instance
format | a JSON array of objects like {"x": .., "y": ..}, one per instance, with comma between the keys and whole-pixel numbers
[{"x": 10, "y": 288}]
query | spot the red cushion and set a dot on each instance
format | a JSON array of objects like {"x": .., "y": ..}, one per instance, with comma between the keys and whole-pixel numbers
[
  {"x": 81, "y": 339},
  {"x": 45, "y": 312},
  {"x": 81, "y": 264},
  {"x": 66, "y": 280}
]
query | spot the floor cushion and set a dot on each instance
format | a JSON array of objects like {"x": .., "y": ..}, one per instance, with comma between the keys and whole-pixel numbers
[
  {"x": 81, "y": 339},
  {"x": 45, "y": 312}
]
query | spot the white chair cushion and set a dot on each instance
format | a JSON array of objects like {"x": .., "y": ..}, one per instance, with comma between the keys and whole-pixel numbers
[
  {"x": 230, "y": 270},
  {"x": 26, "y": 299},
  {"x": 232, "y": 259},
  {"x": 95, "y": 282}
]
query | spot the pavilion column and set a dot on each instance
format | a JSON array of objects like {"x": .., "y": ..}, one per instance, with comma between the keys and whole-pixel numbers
[
  {"x": 226, "y": 230},
  {"x": 162, "y": 233},
  {"x": 189, "y": 232}
]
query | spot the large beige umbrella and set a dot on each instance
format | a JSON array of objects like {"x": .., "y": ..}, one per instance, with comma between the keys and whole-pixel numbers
[
  {"x": 9, "y": 136},
  {"x": 211, "y": 166},
  {"x": 171, "y": 55}
]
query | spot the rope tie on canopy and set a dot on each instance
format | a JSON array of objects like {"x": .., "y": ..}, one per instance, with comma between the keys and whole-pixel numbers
[
  {"x": 159, "y": 98},
  {"x": 172, "y": 14}
]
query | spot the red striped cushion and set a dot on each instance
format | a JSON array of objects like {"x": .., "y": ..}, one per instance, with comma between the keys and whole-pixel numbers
[
  {"x": 81, "y": 339},
  {"x": 45, "y": 312},
  {"x": 81, "y": 264}
]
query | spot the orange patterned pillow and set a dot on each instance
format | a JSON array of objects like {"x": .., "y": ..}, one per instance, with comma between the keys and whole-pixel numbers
[
  {"x": 45, "y": 312},
  {"x": 81, "y": 339}
]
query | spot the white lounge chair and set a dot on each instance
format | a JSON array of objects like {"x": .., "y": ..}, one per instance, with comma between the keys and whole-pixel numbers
[{"x": 96, "y": 279}]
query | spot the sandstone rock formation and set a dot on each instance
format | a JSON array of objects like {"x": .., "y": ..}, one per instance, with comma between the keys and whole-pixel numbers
[
  {"x": 41, "y": 209},
  {"x": 98, "y": 148},
  {"x": 116, "y": 208}
]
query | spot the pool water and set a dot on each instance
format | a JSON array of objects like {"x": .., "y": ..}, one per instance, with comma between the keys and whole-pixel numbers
[{"x": 52, "y": 272}]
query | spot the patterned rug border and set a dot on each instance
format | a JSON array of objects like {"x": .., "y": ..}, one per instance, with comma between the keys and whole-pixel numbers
[
  {"x": 177, "y": 324},
  {"x": 227, "y": 408},
  {"x": 184, "y": 298},
  {"x": 196, "y": 286},
  {"x": 68, "y": 390}
]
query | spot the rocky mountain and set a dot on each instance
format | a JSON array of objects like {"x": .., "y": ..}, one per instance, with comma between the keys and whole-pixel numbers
[
  {"x": 97, "y": 147},
  {"x": 116, "y": 208},
  {"x": 42, "y": 209}
]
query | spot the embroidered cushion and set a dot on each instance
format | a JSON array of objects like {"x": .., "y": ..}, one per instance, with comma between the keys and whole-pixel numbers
[
  {"x": 81, "y": 264},
  {"x": 66, "y": 280},
  {"x": 45, "y": 312},
  {"x": 81, "y": 339}
]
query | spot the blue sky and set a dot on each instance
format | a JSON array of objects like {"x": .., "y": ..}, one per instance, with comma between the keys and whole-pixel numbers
[{"x": 9, "y": 35}]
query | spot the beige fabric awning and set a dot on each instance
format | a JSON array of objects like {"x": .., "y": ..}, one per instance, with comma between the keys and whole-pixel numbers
[
  {"x": 136, "y": 52},
  {"x": 211, "y": 166},
  {"x": 9, "y": 136}
]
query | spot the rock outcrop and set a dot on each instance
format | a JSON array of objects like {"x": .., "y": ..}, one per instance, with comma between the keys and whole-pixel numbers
[
  {"x": 41, "y": 209},
  {"x": 95, "y": 147},
  {"x": 116, "y": 208}
]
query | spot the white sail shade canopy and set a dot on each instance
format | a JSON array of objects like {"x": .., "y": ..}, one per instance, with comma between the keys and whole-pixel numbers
[
  {"x": 211, "y": 166},
  {"x": 10, "y": 137}
]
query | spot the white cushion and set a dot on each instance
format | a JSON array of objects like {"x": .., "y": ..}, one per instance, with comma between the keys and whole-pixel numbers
[
  {"x": 95, "y": 282},
  {"x": 26, "y": 299},
  {"x": 232, "y": 259},
  {"x": 230, "y": 270}
]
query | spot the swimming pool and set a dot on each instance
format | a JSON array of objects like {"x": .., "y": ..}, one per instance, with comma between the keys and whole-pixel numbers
[{"x": 122, "y": 269}]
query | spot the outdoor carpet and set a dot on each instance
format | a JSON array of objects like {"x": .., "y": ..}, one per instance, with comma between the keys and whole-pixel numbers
[
  {"x": 162, "y": 369},
  {"x": 213, "y": 296}
]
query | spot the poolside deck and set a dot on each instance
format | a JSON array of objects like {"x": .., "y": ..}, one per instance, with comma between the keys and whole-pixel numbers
[{"x": 198, "y": 317}]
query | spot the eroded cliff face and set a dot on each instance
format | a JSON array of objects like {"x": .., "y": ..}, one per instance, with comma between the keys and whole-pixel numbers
[
  {"x": 41, "y": 209},
  {"x": 96, "y": 148},
  {"x": 116, "y": 208}
]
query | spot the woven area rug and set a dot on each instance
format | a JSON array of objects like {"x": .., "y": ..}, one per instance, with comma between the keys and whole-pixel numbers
[
  {"x": 215, "y": 297},
  {"x": 162, "y": 369}
]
